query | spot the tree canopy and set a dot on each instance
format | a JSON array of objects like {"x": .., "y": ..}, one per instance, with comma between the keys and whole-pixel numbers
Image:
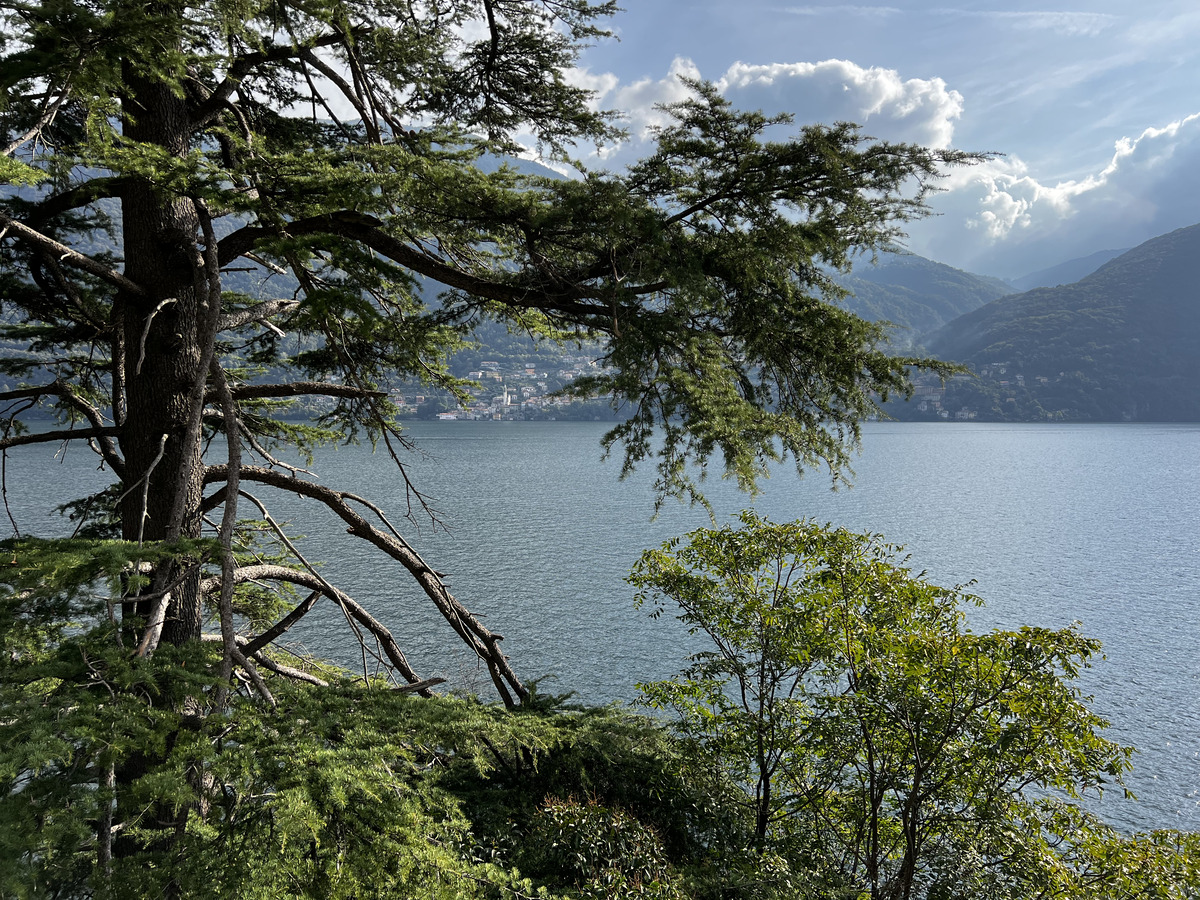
[
  {"x": 216, "y": 207},
  {"x": 888, "y": 752}
]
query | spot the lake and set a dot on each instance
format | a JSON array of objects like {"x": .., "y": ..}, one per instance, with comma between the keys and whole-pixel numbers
[{"x": 1055, "y": 523}]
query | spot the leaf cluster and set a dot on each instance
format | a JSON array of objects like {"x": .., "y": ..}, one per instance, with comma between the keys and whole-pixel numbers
[{"x": 883, "y": 745}]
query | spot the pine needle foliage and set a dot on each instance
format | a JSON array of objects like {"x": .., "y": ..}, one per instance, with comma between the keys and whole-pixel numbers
[{"x": 213, "y": 209}]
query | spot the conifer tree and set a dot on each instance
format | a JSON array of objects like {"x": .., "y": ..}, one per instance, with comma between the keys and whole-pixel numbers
[{"x": 217, "y": 206}]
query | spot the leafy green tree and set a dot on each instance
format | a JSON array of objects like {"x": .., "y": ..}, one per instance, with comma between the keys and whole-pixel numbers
[
  {"x": 213, "y": 208},
  {"x": 886, "y": 750}
]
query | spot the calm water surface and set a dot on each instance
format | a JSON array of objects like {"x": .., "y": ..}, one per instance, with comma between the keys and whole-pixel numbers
[{"x": 1056, "y": 524}]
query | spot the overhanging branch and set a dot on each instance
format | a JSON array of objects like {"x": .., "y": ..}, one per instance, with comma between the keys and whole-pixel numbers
[
  {"x": 68, "y": 434},
  {"x": 482, "y": 641},
  {"x": 66, "y": 255},
  {"x": 576, "y": 300},
  {"x": 100, "y": 432},
  {"x": 302, "y": 389}
]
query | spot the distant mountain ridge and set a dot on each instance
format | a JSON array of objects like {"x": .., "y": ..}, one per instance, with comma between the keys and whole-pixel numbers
[
  {"x": 1066, "y": 272},
  {"x": 1121, "y": 344},
  {"x": 916, "y": 294}
]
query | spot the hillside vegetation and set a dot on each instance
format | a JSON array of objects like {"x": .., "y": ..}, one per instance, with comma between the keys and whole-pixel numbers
[
  {"x": 1118, "y": 345},
  {"x": 916, "y": 294}
]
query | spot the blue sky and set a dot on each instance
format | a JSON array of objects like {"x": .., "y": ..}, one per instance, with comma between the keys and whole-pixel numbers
[{"x": 1095, "y": 106}]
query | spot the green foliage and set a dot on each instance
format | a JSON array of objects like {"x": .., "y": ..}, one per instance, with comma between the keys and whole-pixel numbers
[
  {"x": 341, "y": 791},
  {"x": 889, "y": 750},
  {"x": 607, "y": 852},
  {"x": 189, "y": 212}
]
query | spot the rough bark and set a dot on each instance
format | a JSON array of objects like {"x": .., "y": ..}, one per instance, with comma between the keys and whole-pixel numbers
[{"x": 163, "y": 345}]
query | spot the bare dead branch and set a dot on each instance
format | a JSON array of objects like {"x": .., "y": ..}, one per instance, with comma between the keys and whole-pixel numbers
[
  {"x": 101, "y": 432},
  {"x": 282, "y": 626},
  {"x": 268, "y": 456},
  {"x": 289, "y": 672},
  {"x": 68, "y": 434},
  {"x": 237, "y": 656},
  {"x": 259, "y": 312},
  {"x": 43, "y": 121},
  {"x": 482, "y": 641},
  {"x": 268, "y": 265},
  {"x": 302, "y": 389},
  {"x": 271, "y": 665},
  {"x": 282, "y": 535},
  {"x": 154, "y": 627},
  {"x": 146, "y": 332},
  {"x": 4, "y": 491},
  {"x": 144, "y": 481},
  {"x": 268, "y": 572},
  {"x": 225, "y": 538}
]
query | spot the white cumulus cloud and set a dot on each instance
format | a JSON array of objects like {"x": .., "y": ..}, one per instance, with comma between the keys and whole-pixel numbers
[
  {"x": 889, "y": 106},
  {"x": 641, "y": 100},
  {"x": 886, "y": 104},
  {"x": 1015, "y": 222},
  {"x": 1003, "y": 216}
]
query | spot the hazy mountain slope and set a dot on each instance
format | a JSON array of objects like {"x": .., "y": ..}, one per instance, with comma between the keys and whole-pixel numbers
[
  {"x": 1067, "y": 272},
  {"x": 916, "y": 294},
  {"x": 1121, "y": 344}
]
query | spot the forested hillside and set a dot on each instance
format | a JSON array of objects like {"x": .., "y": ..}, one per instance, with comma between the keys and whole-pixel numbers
[
  {"x": 915, "y": 294},
  {"x": 1119, "y": 345}
]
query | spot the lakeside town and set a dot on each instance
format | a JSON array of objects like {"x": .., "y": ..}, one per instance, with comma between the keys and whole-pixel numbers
[
  {"x": 522, "y": 390},
  {"x": 512, "y": 391}
]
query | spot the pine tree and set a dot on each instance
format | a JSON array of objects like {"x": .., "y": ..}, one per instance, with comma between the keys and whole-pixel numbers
[
  {"x": 332, "y": 150},
  {"x": 216, "y": 207}
]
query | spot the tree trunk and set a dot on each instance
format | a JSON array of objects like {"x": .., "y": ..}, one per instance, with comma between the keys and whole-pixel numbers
[{"x": 164, "y": 336}]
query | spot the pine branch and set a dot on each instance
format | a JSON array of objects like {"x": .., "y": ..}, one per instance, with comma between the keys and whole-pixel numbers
[
  {"x": 574, "y": 299},
  {"x": 244, "y": 65},
  {"x": 302, "y": 389},
  {"x": 66, "y": 255},
  {"x": 81, "y": 195}
]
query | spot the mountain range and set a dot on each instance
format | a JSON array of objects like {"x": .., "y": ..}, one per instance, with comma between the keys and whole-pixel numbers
[
  {"x": 1065, "y": 272},
  {"x": 916, "y": 295},
  {"x": 1120, "y": 344}
]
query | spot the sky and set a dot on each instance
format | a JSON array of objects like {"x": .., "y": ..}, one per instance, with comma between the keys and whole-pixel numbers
[{"x": 1094, "y": 106}]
